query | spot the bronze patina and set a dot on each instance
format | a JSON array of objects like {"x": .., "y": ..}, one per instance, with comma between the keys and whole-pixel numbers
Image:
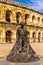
[{"x": 22, "y": 51}]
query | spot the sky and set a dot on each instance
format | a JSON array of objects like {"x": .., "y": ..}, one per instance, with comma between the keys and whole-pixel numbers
[{"x": 34, "y": 4}]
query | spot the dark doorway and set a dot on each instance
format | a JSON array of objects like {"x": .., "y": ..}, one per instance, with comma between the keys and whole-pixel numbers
[
  {"x": 8, "y": 36},
  {"x": 8, "y": 13},
  {"x": 39, "y": 37},
  {"x": 26, "y": 17},
  {"x": 18, "y": 15},
  {"x": 34, "y": 37}
]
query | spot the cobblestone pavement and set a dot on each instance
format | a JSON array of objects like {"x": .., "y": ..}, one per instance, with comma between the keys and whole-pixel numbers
[{"x": 3, "y": 61}]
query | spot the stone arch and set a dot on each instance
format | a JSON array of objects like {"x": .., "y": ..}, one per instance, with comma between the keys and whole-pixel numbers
[
  {"x": 42, "y": 20},
  {"x": 8, "y": 36},
  {"x": 34, "y": 37},
  {"x": 26, "y": 17},
  {"x": 8, "y": 14},
  {"x": 18, "y": 15},
  {"x": 39, "y": 34},
  {"x": 33, "y": 18},
  {"x": 38, "y": 19}
]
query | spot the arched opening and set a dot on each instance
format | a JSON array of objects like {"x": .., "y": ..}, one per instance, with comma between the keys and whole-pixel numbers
[
  {"x": 34, "y": 37},
  {"x": 42, "y": 20},
  {"x": 38, "y": 19},
  {"x": 39, "y": 36},
  {"x": 33, "y": 18},
  {"x": 8, "y": 36},
  {"x": 18, "y": 15},
  {"x": 6, "y": 0},
  {"x": 26, "y": 17},
  {"x": 8, "y": 14}
]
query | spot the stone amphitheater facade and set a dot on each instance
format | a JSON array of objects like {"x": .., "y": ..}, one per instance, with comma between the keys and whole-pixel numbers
[{"x": 12, "y": 14}]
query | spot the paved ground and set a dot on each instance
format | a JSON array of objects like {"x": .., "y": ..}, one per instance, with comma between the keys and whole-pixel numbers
[
  {"x": 6, "y": 48},
  {"x": 3, "y": 61}
]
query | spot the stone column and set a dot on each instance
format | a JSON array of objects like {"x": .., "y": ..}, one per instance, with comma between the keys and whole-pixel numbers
[
  {"x": 11, "y": 18},
  {"x": 3, "y": 37},
  {"x": 40, "y": 22},
  {"x": 31, "y": 39},
  {"x": 30, "y": 19},
  {"x": 23, "y": 18},
  {"x": 35, "y": 22},
  {"x": 36, "y": 36},
  {"x": 0, "y": 37},
  {"x": 13, "y": 37}
]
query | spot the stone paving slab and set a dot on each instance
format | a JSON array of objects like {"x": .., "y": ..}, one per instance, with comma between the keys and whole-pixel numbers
[{"x": 3, "y": 61}]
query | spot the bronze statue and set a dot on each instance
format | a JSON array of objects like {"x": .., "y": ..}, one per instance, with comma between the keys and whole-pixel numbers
[{"x": 22, "y": 51}]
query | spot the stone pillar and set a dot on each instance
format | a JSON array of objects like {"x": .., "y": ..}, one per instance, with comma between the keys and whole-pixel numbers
[
  {"x": 36, "y": 36},
  {"x": 3, "y": 37},
  {"x": 13, "y": 37},
  {"x": 11, "y": 18},
  {"x": 31, "y": 40},
  {"x": 40, "y": 22},
  {"x": 35, "y": 22},
  {"x": 0, "y": 37},
  {"x": 22, "y": 18},
  {"x": 30, "y": 19}
]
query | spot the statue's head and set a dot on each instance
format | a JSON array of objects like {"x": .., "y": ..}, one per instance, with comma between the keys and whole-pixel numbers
[{"x": 22, "y": 24}]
